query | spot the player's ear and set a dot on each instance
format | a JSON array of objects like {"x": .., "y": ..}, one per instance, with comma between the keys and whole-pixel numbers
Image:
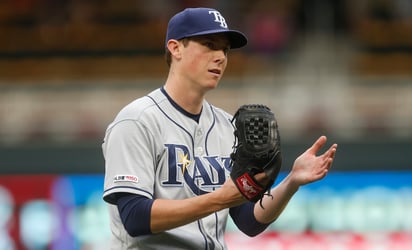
[{"x": 174, "y": 47}]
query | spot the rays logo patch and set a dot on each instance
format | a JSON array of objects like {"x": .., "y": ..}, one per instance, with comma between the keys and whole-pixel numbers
[{"x": 126, "y": 178}]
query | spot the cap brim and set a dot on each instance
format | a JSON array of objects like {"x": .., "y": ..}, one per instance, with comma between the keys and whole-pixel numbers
[{"x": 236, "y": 38}]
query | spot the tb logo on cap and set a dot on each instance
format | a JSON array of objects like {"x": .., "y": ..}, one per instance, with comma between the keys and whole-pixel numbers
[{"x": 219, "y": 18}]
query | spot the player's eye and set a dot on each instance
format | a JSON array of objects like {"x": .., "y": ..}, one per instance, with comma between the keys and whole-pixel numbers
[
  {"x": 210, "y": 45},
  {"x": 215, "y": 46}
]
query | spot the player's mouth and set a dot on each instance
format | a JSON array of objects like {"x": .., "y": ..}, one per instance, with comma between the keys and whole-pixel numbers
[{"x": 215, "y": 71}]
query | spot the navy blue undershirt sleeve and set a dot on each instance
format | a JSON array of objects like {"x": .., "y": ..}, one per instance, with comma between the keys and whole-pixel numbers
[
  {"x": 134, "y": 212},
  {"x": 245, "y": 220}
]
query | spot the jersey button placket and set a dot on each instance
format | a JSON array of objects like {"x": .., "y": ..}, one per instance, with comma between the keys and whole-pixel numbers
[{"x": 198, "y": 142}]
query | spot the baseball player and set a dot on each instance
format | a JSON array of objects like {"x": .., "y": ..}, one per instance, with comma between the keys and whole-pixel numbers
[{"x": 167, "y": 154}]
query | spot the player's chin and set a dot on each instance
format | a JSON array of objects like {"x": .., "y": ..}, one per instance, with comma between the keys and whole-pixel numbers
[{"x": 212, "y": 83}]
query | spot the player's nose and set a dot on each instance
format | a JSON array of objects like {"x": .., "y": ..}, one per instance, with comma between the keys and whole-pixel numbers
[{"x": 220, "y": 56}]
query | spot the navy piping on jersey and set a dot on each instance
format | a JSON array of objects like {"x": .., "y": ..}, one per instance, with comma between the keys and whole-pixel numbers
[
  {"x": 187, "y": 132},
  {"x": 207, "y": 152},
  {"x": 209, "y": 131},
  {"x": 194, "y": 117},
  {"x": 110, "y": 199},
  {"x": 199, "y": 225},
  {"x": 217, "y": 230},
  {"x": 177, "y": 124}
]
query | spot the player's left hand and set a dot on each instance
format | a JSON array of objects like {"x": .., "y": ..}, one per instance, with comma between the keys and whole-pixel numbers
[{"x": 309, "y": 167}]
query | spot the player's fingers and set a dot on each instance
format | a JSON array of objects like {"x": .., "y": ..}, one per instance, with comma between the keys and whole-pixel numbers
[
  {"x": 317, "y": 145},
  {"x": 330, "y": 155},
  {"x": 325, "y": 166},
  {"x": 332, "y": 151},
  {"x": 321, "y": 170},
  {"x": 262, "y": 178}
]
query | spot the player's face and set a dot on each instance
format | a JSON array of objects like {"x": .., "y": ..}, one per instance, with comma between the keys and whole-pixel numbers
[{"x": 205, "y": 58}]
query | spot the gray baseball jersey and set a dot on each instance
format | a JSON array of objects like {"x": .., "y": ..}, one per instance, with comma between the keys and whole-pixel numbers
[{"x": 153, "y": 149}]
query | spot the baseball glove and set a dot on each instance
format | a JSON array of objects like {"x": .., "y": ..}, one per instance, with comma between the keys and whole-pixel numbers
[{"x": 256, "y": 150}]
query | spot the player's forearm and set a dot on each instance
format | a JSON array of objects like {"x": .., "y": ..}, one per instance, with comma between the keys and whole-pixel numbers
[
  {"x": 273, "y": 206},
  {"x": 168, "y": 214}
]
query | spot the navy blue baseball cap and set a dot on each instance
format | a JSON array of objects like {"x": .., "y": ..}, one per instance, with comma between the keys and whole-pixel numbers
[{"x": 202, "y": 21}]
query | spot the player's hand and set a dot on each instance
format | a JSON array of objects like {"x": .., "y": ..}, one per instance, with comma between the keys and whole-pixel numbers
[{"x": 309, "y": 167}]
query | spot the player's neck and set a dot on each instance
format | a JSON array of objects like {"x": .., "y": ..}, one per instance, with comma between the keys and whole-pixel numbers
[{"x": 188, "y": 99}]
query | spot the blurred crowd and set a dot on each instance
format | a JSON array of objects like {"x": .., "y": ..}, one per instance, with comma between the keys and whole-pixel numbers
[
  {"x": 340, "y": 66},
  {"x": 271, "y": 25}
]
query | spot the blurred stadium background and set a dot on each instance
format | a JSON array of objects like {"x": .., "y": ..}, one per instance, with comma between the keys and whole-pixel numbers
[{"x": 337, "y": 67}]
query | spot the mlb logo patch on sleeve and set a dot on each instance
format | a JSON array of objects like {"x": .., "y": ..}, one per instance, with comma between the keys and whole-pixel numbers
[{"x": 125, "y": 178}]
